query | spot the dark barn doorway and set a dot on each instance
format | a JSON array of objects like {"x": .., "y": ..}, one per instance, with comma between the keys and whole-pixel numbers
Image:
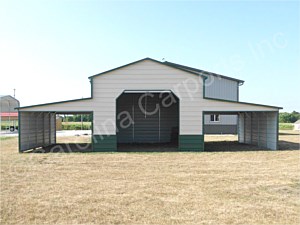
[{"x": 147, "y": 121}]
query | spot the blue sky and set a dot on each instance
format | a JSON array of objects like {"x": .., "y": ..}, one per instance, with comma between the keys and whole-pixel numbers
[{"x": 49, "y": 48}]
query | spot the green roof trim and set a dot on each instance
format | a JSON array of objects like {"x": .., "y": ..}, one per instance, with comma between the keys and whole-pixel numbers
[
  {"x": 234, "y": 101},
  {"x": 203, "y": 72},
  {"x": 246, "y": 103},
  {"x": 187, "y": 69},
  {"x": 51, "y": 103},
  {"x": 153, "y": 60}
]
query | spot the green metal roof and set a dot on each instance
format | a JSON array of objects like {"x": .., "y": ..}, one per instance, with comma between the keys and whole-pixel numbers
[
  {"x": 203, "y": 72},
  {"x": 129, "y": 64}
]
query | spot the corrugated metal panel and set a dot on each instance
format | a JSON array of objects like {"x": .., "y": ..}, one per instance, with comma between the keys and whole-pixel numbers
[
  {"x": 217, "y": 87},
  {"x": 259, "y": 128},
  {"x": 248, "y": 128},
  {"x": 156, "y": 128},
  {"x": 220, "y": 129},
  {"x": 210, "y": 105},
  {"x": 191, "y": 142},
  {"x": 145, "y": 75},
  {"x": 224, "y": 120},
  {"x": 8, "y": 104},
  {"x": 79, "y": 105},
  {"x": 52, "y": 128},
  {"x": 148, "y": 75},
  {"x": 103, "y": 143},
  {"x": 37, "y": 129},
  {"x": 47, "y": 132},
  {"x": 272, "y": 126},
  {"x": 241, "y": 128}
]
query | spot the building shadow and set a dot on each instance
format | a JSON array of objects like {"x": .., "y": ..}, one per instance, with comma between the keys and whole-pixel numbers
[
  {"x": 285, "y": 134},
  {"x": 216, "y": 146},
  {"x": 288, "y": 146},
  {"x": 154, "y": 147},
  {"x": 64, "y": 148},
  {"x": 235, "y": 146}
]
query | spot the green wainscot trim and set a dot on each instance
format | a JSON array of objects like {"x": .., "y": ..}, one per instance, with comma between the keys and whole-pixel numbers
[
  {"x": 191, "y": 143},
  {"x": 104, "y": 143}
]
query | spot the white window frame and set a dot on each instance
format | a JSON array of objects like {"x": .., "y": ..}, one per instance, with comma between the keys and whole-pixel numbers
[{"x": 214, "y": 118}]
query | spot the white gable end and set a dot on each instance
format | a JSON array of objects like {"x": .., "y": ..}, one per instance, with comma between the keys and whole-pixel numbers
[{"x": 149, "y": 75}]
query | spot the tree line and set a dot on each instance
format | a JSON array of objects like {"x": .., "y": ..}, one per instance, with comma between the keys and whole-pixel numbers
[
  {"x": 286, "y": 117},
  {"x": 77, "y": 118}
]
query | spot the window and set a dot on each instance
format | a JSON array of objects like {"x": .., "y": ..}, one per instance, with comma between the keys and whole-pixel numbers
[{"x": 215, "y": 118}]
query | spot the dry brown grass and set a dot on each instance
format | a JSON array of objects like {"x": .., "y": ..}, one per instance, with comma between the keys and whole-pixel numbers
[
  {"x": 288, "y": 140},
  {"x": 74, "y": 139},
  {"x": 150, "y": 188}
]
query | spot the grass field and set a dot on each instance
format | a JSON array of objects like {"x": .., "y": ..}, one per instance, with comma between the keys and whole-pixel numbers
[
  {"x": 286, "y": 126},
  {"x": 76, "y": 123},
  {"x": 251, "y": 187},
  {"x": 87, "y": 125}
]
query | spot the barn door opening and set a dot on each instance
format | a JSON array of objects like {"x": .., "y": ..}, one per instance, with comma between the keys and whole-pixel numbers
[
  {"x": 64, "y": 132},
  {"x": 220, "y": 131},
  {"x": 147, "y": 121}
]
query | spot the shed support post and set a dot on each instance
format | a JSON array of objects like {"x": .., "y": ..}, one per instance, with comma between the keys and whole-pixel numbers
[
  {"x": 245, "y": 128},
  {"x": 43, "y": 119},
  {"x": 36, "y": 127},
  {"x": 29, "y": 128},
  {"x": 19, "y": 132},
  {"x": 267, "y": 131},
  {"x": 49, "y": 122},
  {"x": 251, "y": 128},
  {"x": 54, "y": 121},
  {"x": 258, "y": 130}
]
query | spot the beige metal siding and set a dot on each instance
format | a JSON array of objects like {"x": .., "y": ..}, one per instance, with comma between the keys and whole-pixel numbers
[
  {"x": 217, "y": 87},
  {"x": 259, "y": 128},
  {"x": 8, "y": 104},
  {"x": 224, "y": 120},
  {"x": 272, "y": 126},
  {"x": 37, "y": 129},
  {"x": 47, "y": 131},
  {"x": 241, "y": 128},
  {"x": 148, "y": 75},
  {"x": 225, "y": 106},
  {"x": 79, "y": 105},
  {"x": 52, "y": 128},
  {"x": 248, "y": 128},
  {"x": 220, "y": 88}
]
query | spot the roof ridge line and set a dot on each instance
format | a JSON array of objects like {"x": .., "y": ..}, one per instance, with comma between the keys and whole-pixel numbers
[
  {"x": 204, "y": 71},
  {"x": 147, "y": 58}
]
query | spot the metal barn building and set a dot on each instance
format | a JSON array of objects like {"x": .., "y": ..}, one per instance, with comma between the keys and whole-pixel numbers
[
  {"x": 8, "y": 112},
  {"x": 221, "y": 87},
  {"x": 153, "y": 103}
]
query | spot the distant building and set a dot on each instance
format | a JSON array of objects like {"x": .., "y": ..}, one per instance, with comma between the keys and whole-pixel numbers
[
  {"x": 8, "y": 113},
  {"x": 297, "y": 125}
]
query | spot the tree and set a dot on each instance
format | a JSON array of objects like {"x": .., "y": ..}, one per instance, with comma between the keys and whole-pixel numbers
[{"x": 286, "y": 117}]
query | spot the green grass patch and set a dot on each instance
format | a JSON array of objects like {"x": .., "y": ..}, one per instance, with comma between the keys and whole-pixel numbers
[
  {"x": 4, "y": 138},
  {"x": 6, "y": 124},
  {"x": 76, "y": 125},
  {"x": 286, "y": 126}
]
